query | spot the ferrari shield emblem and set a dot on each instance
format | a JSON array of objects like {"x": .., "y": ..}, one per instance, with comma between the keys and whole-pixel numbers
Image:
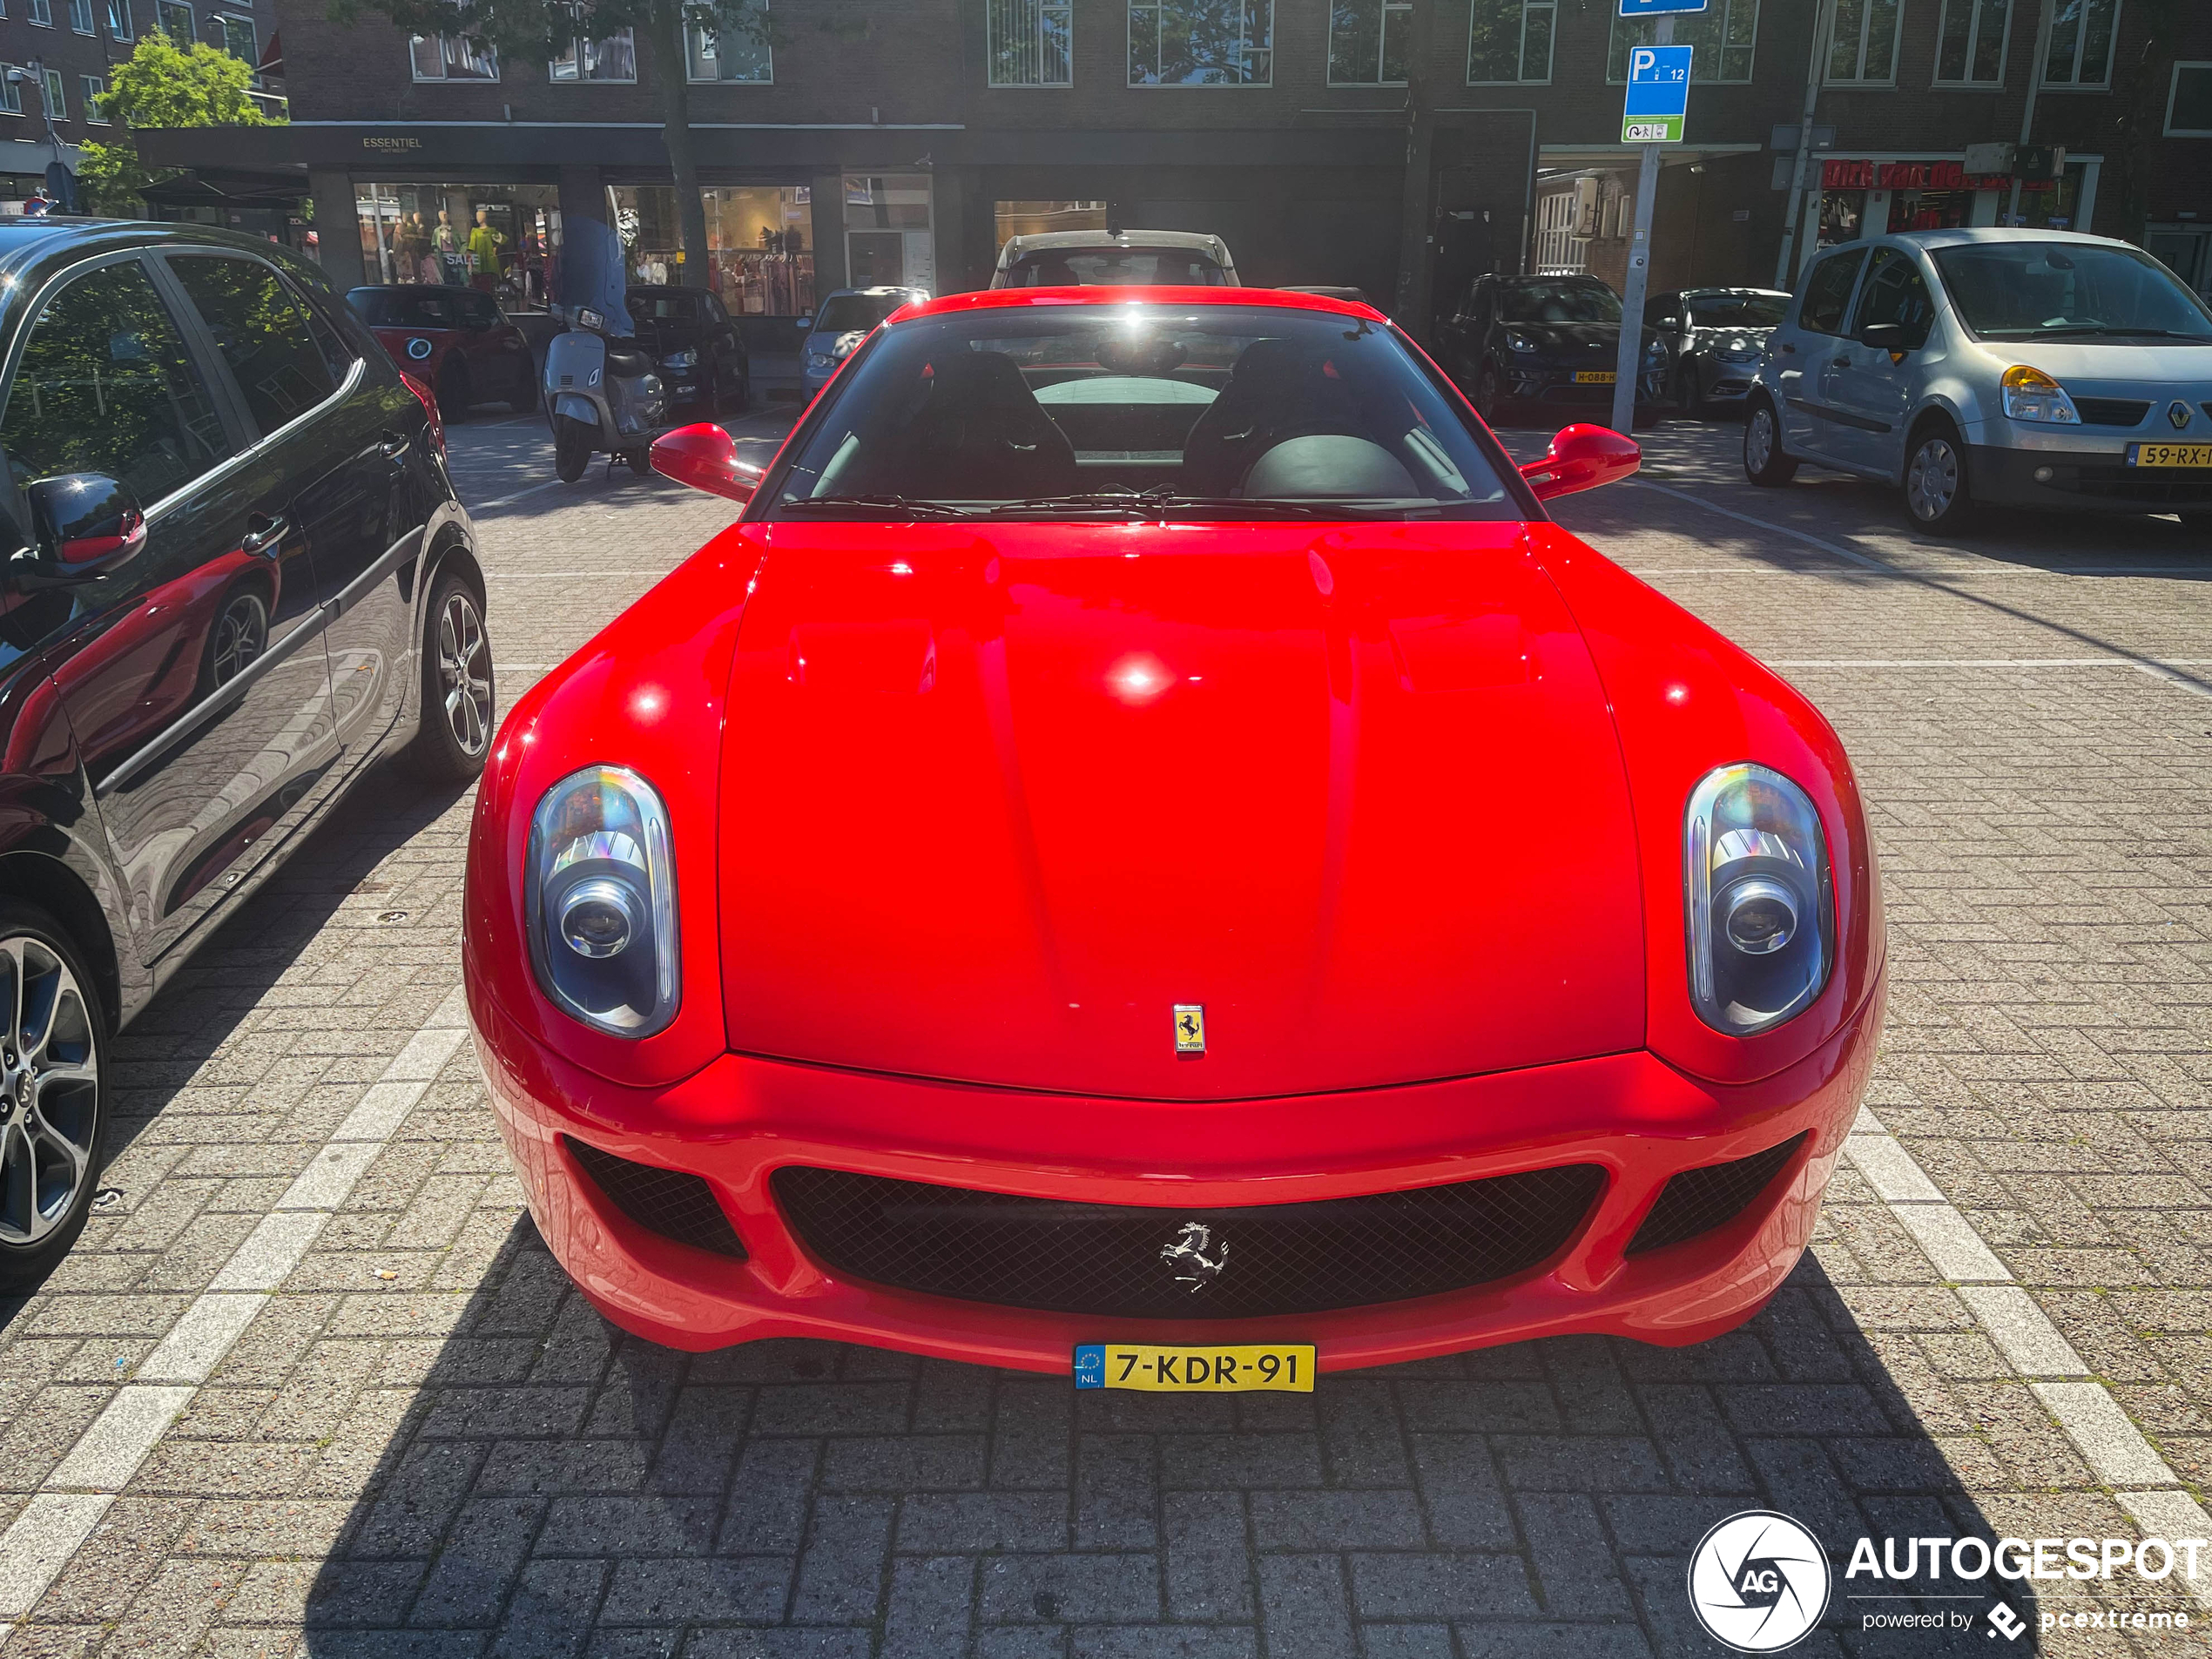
[{"x": 1189, "y": 1028}]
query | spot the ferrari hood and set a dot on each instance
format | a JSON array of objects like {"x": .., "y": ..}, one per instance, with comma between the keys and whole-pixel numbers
[{"x": 999, "y": 802}]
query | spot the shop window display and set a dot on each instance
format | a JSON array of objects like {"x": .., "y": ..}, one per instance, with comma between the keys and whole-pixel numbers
[
  {"x": 760, "y": 240},
  {"x": 501, "y": 239}
]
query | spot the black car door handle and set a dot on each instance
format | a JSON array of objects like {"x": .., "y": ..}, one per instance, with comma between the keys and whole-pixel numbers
[
  {"x": 394, "y": 446},
  {"x": 265, "y": 533}
]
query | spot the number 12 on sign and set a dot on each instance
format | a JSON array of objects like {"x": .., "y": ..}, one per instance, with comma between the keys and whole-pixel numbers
[{"x": 1658, "y": 95}]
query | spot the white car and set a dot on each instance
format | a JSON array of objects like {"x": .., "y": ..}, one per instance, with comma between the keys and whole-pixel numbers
[
  {"x": 1112, "y": 259},
  {"x": 2014, "y": 368}
]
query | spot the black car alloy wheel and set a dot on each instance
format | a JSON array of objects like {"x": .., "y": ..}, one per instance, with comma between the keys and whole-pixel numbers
[
  {"x": 52, "y": 1106},
  {"x": 458, "y": 701}
]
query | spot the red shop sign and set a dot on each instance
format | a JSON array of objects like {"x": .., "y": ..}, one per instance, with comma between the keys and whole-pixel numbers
[{"x": 1906, "y": 175}]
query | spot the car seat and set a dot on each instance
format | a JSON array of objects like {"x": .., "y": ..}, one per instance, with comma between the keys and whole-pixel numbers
[
  {"x": 976, "y": 433},
  {"x": 1279, "y": 389}
]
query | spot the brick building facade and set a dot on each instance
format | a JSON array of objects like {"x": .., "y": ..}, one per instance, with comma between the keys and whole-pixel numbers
[{"x": 879, "y": 142}]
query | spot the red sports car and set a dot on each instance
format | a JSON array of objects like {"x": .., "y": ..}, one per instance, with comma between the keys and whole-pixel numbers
[
  {"x": 456, "y": 342},
  {"x": 1145, "y": 851}
]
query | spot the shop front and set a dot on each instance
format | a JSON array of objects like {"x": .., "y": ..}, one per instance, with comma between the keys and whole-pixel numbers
[
  {"x": 504, "y": 240},
  {"x": 1872, "y": 196}
]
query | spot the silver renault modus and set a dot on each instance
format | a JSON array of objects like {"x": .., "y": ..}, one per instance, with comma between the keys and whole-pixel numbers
[{"x": 1993, "y": 367}]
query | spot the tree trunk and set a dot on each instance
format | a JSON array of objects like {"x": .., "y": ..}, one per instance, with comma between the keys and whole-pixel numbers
[{"x": 673, "y": 65}]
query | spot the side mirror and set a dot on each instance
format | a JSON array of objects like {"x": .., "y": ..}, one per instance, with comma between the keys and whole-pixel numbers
[
  {"x": 84, "y": 525},
  {"x": 806, "y": 323},
  {"x": 1581, "y": 457},
  {"x": 704, "y": 457},
  {"x": 1885, "y": 336}
]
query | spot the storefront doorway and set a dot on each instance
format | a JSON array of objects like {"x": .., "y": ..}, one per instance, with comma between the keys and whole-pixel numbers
[{"x": 889, "y": 237}]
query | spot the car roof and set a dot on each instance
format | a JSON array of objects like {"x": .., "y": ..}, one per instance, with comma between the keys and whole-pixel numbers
[
  {"x": 1273, "y": 299},
  {"x": 1205, "y": 241},
  {"x": 1771, "y": 293},
  {"x": 1966, "y": 237},
  {"x": 26, "y": 242},
  {"x": 881, "y": 291}
]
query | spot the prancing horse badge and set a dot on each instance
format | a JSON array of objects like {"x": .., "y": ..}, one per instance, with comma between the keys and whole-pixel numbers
[{"x": 1189, "y": 1028}]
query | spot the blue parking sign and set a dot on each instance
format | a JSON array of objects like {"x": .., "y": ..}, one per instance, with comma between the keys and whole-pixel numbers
[
  {"x": 1656, "y": 8},
  {"x": 1658, "y": 95}
]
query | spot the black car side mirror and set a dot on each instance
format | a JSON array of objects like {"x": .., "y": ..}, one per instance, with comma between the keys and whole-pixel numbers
[
  {"x": 1885, "y": 336},
  {"x": 84, "y": 525}
]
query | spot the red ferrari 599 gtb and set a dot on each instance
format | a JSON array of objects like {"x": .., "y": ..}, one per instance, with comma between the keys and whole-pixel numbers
[{"x": 1145, "y": 849}]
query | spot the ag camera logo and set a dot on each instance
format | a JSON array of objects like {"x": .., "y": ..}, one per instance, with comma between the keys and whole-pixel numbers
[{"x": 1759, "y": 1582}]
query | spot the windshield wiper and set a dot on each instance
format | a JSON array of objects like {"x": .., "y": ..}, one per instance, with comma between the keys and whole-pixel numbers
[
  {"x": 2096, "y": 329},
  {"x": 900, "y": 504},
  {"x": 1146, "y": 502}
]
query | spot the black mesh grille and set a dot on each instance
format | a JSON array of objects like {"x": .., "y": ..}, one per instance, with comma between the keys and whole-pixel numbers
[
  {"x": 2111, "y": 411},
  {"x": 1115, "y": 1259},
  {"x": 1696, "y": 1201},
  {"x": 667, "y": 1202}
]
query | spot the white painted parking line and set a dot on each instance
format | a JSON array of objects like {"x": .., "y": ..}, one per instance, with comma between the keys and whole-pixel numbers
[
  {"x": 2022, "y": 1332},
  {"x": 1949, "y": 1240},
  {"x": 2173, "y": 1516},
  {"x": 2104, "y": 1435},
  {"x": 1889, "y": 1170},
  {"x": 51, "y": 1527},
  {"x": 1848, "y": 555}
]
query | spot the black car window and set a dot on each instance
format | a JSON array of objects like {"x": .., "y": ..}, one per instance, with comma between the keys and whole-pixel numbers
[
  {"x": 1895, "y": 292},
  {"x": 106, "y": 385},
  {"x": 478, "y": 310},
  {"x": 649, "y": 305},
  {"x": 404, "y": 307},
  {"x": 259, "y": 329},
  {"x": 1828, "y": 290},
  {"x": 845, "y": 314},
  {"x": 1557, "y": 299},
  {"x": 336, "y": 352}
]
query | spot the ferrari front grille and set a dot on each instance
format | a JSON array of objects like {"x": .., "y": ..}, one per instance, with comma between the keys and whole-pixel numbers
[
  {"x": 668, "y": 1202},
  {"x": 1186, "y": 1261},
  {"x": 1696, "y": 1201}
]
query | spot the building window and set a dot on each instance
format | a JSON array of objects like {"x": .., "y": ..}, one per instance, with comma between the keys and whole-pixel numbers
[
  {"x": 1970, "y": 46},
  {"x": 614, "y": 58},
  {"x": 733, "y": 55},
  {"x": 1367, "y": 42},
  {"x": 452, "y": 58},
  {"x": 2188, "y": 105},
  {"x": 174, "y": 20},
  {"x": 239, "y": 42},
  {"x": 118, "y": 19},
  {"x": 57, "y": 105},
  {"x": 1863, "y": 49},
  {"x": 2081, "y": 35},
  {"x": 10, "y": 93},
  {"x": 93, "y": 89},
  {"x": 41, "y": 13},
  {"x": 1030, "y": 43},
  {"x": 80, "y": 15},
  {"x": 1723, "y": 34},
  {"x": 1201, "y": 43},
  {"x": 1509, "y": 40}
]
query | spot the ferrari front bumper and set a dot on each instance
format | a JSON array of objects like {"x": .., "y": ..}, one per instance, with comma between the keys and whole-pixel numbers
[{"x": 740, "y": 1119}]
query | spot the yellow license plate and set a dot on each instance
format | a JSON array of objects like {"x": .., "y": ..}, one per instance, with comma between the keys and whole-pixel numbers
[
  {"x": 1595, "y": 377},
  {"x": 2169, "y": 455},
  {"x": 1281, "y": 1368}
]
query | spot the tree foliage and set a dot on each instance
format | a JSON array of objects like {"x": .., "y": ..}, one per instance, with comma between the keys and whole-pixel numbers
[{"x": 162, "y": 84}]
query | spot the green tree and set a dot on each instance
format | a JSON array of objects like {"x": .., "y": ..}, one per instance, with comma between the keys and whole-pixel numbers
[
  {"x": 162, "y": 84},
  {"x": 531, "y": 31}
]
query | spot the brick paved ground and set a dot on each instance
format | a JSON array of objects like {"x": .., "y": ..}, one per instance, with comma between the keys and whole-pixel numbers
[{"x": 425, "y": 1443}]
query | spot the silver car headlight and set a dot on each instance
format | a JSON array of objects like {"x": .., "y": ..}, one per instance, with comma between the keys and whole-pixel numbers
[
  {"x": 820, "y": 362},
  {"x": 1761, "y": 922},
  {"x": 2030, "y": 394},
  {"x": 600, "y": 895},
  {"x": 1519, "y": 342}
]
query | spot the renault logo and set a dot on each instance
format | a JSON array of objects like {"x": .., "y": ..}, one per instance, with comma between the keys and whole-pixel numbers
[
  {"x": 1187, "y": 1255},
  {"x": 2178, "y": 412}
]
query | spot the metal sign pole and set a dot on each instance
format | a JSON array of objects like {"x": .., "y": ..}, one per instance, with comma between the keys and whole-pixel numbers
[{"x": 1628, "y": 361}]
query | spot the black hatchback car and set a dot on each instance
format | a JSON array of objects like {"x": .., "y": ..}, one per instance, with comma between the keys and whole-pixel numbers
[
  {"x": 235, "y": 574},
  {"x": 694, "y": 343},
  {"x": 1546, "y": 346}
]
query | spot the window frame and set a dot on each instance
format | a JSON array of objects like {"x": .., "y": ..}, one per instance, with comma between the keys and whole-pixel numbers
[
  {"x": 91, "y": 26},
  {"x": 192, "y": 29},
  {"x": 1974, "y": 36},
  {"x": 575, "y": 54},
  {"x": 1160, "y": 7},
  {"x": 1037, "y": 9},
  {"x": 31, "y": 14},
  {"x": 91, "y": 89},
  {"x": 2112, "y": 51},
  {"x": 120, "y": 25},
  {"x": 10, "y": 93},
  {"x": 1862, "y": 82},
  {"x": 694, "y": 39},
  {"x": 414, "y": 67},
  {"x": 252, "y": 60},
  {"x": 1520, "y": 53},
  {"x": 2172, "y": 96},
  {"x": 1404, "y": 10},
  {"x": 57, "y": 97}
]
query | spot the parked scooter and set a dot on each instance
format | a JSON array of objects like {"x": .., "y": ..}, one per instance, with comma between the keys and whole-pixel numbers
[{"x": 603, "y": 397}]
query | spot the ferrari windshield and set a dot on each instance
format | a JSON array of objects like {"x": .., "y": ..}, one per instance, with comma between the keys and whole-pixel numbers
[
  {"x": 1560, "y": 300},
  {"x": 1129, "y": 410},
  {"x": 2077, "y": 290}
]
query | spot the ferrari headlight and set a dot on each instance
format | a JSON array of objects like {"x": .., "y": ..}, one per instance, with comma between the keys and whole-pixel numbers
[
  {"x": 601, "y": 894},
  {"x": 1519, "y": 342},
  {"x": 1760, "y": 927},
  {"x": 2030, "y": 394}
]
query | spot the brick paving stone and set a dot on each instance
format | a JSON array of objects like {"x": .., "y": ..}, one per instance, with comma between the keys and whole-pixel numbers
[{"x": 465, "y": 1459}]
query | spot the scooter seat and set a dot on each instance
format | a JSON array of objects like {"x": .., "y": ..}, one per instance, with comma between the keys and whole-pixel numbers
[{"x": 627, "y": 362}]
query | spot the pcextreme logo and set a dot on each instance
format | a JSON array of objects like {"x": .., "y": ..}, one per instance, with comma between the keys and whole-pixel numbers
[{"x": 1759, "y": 1582}]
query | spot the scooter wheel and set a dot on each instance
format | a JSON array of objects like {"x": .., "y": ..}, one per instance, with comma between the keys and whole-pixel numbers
[
  {"x": 641, "y": 463},
  {"x": 572, "y": 441}
]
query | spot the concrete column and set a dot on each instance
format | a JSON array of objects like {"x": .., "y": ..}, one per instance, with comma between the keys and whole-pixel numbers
[
  {"x": 338, "y": 232},
  {"x": 592, "y": 273},
  {"x": 828, "y": 193}
]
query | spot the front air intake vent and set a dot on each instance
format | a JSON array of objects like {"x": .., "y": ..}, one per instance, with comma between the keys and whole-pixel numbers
[
  {"x": 1696, "y": 1201},
  {"x": 667, "y": 1202}
]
